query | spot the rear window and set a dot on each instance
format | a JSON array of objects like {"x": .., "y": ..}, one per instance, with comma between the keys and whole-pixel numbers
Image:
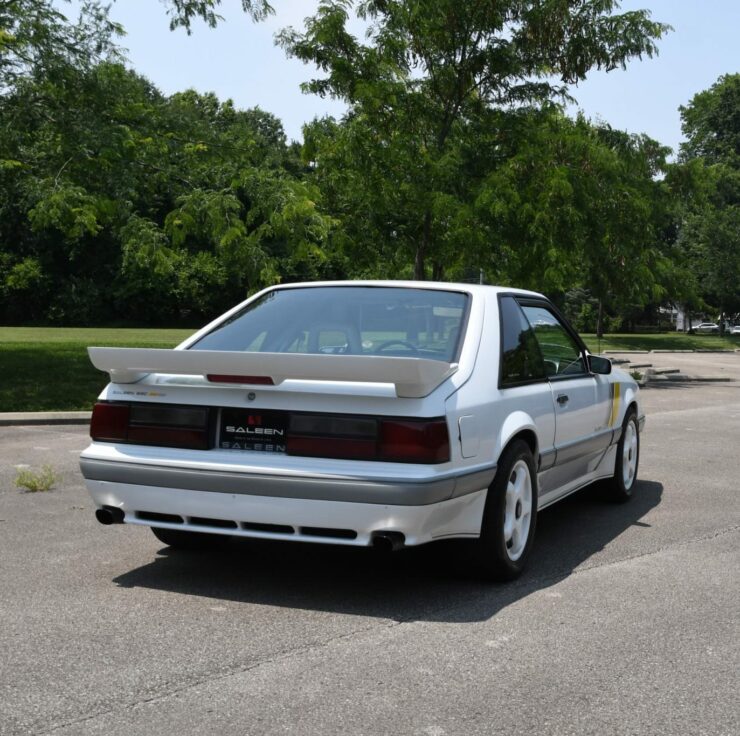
[{"x": 347, "y": 320}]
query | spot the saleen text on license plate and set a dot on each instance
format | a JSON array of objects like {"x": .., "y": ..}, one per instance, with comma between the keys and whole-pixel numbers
[{"x": 240, "y": 429}]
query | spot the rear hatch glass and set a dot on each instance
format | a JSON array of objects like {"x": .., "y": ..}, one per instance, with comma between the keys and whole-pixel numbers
[{"x": 347, "y": 320}]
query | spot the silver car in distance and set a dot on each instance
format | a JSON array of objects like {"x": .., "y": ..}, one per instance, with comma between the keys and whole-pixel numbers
[{"x": 381, "y": 413}]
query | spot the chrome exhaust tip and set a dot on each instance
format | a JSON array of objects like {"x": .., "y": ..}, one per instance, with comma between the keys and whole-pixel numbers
[
  {"x": 389, "y": 541},
  {"x": 108, "y": 515}
]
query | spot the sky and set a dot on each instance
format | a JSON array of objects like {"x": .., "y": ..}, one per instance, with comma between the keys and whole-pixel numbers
[{"x": 239, "y": 60}]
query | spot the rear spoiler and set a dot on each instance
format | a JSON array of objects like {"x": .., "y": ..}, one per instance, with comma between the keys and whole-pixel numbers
[{"x": 412, "y": 377}]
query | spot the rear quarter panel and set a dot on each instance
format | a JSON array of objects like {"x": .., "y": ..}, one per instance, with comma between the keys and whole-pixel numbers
[{"x": 495, "y": 415}]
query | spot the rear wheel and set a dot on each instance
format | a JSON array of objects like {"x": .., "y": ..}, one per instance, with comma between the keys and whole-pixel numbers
[
  {"x": 509, "y": 517},
  {"x": 181, "y": 539},
  {"x": 623, "y": 481}
]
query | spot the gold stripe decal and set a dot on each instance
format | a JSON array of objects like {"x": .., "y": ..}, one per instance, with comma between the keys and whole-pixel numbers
[{"x": 615, "y": 404}]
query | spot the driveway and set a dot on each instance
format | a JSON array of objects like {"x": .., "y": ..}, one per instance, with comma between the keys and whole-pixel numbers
[{"x": 625, "y": 623}]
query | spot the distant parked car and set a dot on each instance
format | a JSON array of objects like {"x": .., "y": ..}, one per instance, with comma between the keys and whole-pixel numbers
[
  {"x": 735, "y": 330},
  {"x": 707, "y": 328}
]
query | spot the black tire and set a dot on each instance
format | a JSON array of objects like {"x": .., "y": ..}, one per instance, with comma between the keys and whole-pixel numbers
[
  {"x": 181, "y": 539},
  {"x": 622, "y": 484},
  {"x": 494, "y": 556}
]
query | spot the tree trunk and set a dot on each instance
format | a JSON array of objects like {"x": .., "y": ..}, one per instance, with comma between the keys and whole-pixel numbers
[
  {"x": 600, "y": 320},
  {"x": 438, "y": 271},
  {"x": 423, "y": 248}
]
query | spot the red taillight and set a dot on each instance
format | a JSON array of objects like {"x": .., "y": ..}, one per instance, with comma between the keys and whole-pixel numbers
[
  {"x": 109, "y": 422},
  {"x": 414, "y": 441},
  {"x": 369, "y": 438},
  {"x": 256, "y": 380},
  {"x": 192, "y": 439},
  {"x": 163, "y": 425},
  {"x": 338, "y": 447}
]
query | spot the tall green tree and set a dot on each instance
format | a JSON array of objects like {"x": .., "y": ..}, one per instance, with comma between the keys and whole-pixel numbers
[
  {"x": 710, "y": 215},
  {"x": 428, "y": 68}
]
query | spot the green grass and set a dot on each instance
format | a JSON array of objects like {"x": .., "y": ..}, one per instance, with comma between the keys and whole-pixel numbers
[
  {"x": 664, "y": 341},
  {"x": 36, "y": 481},
  {"x": 47, "y": 369}
]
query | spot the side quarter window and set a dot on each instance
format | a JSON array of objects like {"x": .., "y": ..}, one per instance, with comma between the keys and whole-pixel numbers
[
  {"x": 561, "y": 353},
  {"x": 521, "y": 359}
]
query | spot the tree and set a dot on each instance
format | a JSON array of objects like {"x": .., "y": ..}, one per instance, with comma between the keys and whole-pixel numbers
[
  {"x": 571, "y": 203},
  {"x": 711, "y": 123},
  {"x": 117, "y": 203},
  {"x": 710, "y": 213},
  {"x": 430, "y": 68},
  {"x": 36, "y": 38},
  {"x": 183, "y": 12}
]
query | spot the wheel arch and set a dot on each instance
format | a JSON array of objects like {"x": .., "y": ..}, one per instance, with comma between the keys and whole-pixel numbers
[
  {"x": 518, "y": 425},
  {"x": 630, "y": 400}
]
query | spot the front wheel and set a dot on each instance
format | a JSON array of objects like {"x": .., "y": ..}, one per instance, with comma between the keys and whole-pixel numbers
[
  {"x": 623, "y": 481},
  {"x": 509, "y": 516}
]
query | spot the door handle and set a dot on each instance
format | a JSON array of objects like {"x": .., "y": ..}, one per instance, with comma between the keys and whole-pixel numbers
[{"x": 562, "y": 399}]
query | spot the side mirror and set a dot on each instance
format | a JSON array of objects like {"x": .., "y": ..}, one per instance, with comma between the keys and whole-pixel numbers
[{"x": 600, "y": 365}]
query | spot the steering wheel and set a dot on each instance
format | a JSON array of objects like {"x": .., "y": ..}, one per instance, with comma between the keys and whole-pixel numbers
[{"x": 388, "y": 343}]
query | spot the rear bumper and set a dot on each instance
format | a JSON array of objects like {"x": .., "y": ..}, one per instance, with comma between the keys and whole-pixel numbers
[
  {"x": 282, "y": 497},
  {"x": 399, "y": 492},
  {"x": 292, "y": 519}
]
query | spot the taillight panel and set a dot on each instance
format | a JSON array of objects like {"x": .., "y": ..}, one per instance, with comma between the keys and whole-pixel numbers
[
  {"x": 390, "y": 439},
  {"x": 109, "y": 422},
  {"x": 161, "y": 425},
  {"x": 414, "y": 441},
  {"x": 369, "y": 438}
]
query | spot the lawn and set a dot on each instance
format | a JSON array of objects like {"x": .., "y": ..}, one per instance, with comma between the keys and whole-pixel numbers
[
  {"x": 664, "y": 341},
  {"x": 47, "y": 369}
]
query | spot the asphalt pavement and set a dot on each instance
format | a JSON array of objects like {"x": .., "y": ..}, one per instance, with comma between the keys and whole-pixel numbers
[{"x": 626, "y": 621}]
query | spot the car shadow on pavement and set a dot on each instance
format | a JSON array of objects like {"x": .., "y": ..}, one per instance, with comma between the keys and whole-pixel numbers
[{"x": 427, "y": 583}]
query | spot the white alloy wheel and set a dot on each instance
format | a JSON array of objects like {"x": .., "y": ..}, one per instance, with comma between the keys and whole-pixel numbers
[
  {"x": 518, "y": 510},
  {"x": 629, "y": 455},
  {"x": 509, "y": 517}
]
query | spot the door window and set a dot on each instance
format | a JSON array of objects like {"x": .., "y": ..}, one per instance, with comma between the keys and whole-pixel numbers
[
  {"x": 561, "y": 353},
  {"x": 521, "y": 360}
]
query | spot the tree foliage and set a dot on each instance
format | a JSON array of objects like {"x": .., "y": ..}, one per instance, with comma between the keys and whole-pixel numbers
[
  {"x": 708, "y": 187},
  {"x": 119, "y": 201},
  {"x": 430, "y": 69},
  {"x": 183, "y": 12},
  {"x": 119, "y": 204}
]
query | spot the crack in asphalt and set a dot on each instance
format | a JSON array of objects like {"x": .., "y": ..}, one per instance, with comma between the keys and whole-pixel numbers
[{"x": 534, "y": 584}]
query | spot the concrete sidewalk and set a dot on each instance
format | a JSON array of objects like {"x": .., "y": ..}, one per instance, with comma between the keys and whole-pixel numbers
[
  {"x": 681, "y": 366},
  {"x": 11, "y": 418}
]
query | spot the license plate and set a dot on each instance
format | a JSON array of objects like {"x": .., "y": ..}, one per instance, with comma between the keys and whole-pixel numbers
[{"x": 260, "y": 431}]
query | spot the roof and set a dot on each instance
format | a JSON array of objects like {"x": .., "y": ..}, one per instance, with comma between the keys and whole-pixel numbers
[{"x": 436, "y": 285}]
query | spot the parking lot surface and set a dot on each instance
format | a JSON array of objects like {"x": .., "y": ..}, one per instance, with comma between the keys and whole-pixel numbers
[{"x": 626, "y": 621}]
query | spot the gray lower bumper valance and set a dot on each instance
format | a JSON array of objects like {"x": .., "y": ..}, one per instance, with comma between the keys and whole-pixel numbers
[{"x": 402, "y": 493}]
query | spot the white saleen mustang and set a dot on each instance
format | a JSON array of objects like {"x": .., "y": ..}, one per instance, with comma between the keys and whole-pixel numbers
[{"x": 382, "y": 413}]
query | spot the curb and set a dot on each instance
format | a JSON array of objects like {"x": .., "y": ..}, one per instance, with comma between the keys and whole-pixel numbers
[
  {"x": 17, "y": 418},
  {"x": 647, "y": 352}
]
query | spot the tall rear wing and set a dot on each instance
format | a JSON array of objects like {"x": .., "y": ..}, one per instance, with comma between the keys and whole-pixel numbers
[{"x": 412, "y": 377}]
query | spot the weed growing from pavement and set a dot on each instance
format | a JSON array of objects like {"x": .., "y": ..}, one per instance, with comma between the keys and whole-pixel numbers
[{"x": 36, "y": 481}]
